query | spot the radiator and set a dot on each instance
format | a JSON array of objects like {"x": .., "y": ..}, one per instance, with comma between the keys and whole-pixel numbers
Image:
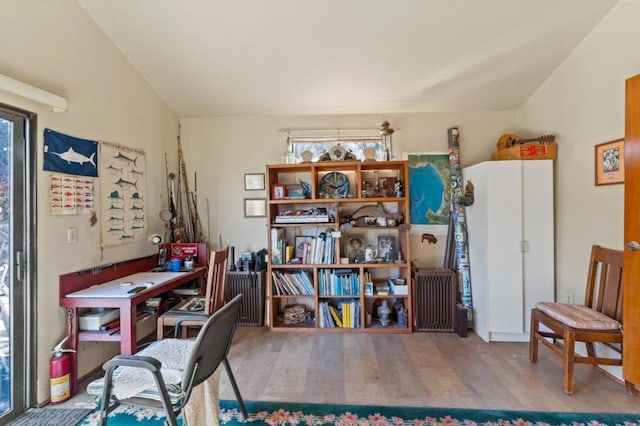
[
  {"x": 252, "y": 287},
  {"x": 434, "y": 297}
]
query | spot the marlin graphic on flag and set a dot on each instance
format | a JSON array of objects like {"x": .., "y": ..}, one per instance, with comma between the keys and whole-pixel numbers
[{"x": 66, "y": 154}]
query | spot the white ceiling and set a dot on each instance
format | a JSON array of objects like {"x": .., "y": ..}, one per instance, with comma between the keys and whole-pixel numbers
[{"x": 257, "y": 57}]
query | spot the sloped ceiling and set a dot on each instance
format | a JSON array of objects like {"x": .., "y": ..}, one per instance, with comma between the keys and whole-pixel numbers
[{"x": 262, "y": 57}]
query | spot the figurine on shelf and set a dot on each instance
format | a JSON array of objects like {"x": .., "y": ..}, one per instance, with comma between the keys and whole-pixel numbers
[
  {"x": 383, "y": 313},
  {"x": 399, "y": 189}
]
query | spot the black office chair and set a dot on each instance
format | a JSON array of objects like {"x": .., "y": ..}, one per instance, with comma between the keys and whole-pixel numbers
[{"x": 209, "y": 350}]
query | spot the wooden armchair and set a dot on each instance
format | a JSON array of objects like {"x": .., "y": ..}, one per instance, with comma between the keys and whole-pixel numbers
[
  {"x": 200, "y": 306},
  {"x": 599, "y": 320}
]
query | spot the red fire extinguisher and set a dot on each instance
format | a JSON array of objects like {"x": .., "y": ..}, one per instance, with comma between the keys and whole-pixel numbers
[{"x": 60, "y": 373}]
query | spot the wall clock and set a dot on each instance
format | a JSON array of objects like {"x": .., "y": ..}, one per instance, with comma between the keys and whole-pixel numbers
[{"x": 334, "y": 185}]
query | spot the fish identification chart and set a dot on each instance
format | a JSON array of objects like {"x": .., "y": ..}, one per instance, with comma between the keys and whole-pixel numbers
[
  {"x": 70, "y": 194},
  {"x": 122, "y": 194}
]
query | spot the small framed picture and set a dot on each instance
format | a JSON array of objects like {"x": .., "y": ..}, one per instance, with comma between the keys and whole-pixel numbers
[
  {"x": 253, "y": 181},
  {"x": 387, "y": 248},
  {"x": 609, "y": 159},
  {"x": 255, "y": 207},
  {"x": 355, "y": 249},
  {"x": 368, "y": 288},
  {"x": 278, "y": 191}
]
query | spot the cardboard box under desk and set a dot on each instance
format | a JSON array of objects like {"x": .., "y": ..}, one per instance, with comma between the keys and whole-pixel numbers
[{"x": 528, "y": 151}]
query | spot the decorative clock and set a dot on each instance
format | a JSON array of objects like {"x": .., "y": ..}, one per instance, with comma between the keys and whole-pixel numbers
[
  {"x": 337, "y": 153},
  {"x": 334, "y": 185}
]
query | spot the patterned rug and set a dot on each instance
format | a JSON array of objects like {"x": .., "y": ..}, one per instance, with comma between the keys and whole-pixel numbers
[{"x": 284, "y": 413}]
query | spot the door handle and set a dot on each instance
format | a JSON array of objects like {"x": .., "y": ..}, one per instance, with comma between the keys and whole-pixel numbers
[
  {"x": 19, "y": 265},
  {"x": 633, "y": 245}
]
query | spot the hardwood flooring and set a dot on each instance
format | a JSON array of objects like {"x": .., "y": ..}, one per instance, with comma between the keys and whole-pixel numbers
[{"x": 419, "y": 369}]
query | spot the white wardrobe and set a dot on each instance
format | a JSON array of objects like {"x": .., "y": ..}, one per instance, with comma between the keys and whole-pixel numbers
[{"x": 511, "y": 245}]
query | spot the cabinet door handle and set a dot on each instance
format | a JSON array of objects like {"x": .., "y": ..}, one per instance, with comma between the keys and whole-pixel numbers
[{"x": 633, "y": 245}]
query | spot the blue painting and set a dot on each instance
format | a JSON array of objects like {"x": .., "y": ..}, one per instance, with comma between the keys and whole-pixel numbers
[{"x": 429, "y": 182}]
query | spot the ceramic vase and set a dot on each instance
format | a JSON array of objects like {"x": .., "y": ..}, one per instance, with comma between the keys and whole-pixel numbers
[{"x": 383, "y": 313}]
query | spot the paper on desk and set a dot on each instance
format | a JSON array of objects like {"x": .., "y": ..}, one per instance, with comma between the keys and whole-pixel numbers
[{"x": 121, "y": 286}]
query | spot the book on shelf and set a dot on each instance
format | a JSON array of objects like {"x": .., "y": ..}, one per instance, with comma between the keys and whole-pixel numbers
[
  {"x": 288, "y": 254},
  {"x": 336, "y": 317},
  {"x": 277, "y": 246}
]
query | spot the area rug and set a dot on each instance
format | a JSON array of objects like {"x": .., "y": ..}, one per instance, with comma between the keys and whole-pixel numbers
[
  {"x": 51, "y": 417},
  {"x": 283, "y": 413}
]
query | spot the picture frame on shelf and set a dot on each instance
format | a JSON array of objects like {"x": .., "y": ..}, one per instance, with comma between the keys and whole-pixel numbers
[
  {"x": 368, "y": 288},
  {"x": 301, "y": 240},
  {"x": 278, "y": 191},
  {"x": 253, "y": 181},
  {"x": 609, "y": 162},
  {"x": 387, "y": 248},
  {"x": 355, "y": 248},
  {"x": 255, "y": 207}
]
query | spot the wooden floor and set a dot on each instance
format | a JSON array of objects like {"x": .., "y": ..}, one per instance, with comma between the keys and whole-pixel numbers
[{"x": 419, "y": 369}]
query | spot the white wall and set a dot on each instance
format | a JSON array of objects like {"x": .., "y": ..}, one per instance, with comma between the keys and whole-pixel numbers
[
  {"x": 583, "y": 104},
  {"x": 222, "y": 150},
  {"x": 55, "y": 46}
]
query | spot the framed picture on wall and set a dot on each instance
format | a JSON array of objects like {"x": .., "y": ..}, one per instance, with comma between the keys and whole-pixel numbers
[
  {"x": 253, "y": 181},
  {"x": 255, "y": 207},
  {"x": 609, "y": 162}
]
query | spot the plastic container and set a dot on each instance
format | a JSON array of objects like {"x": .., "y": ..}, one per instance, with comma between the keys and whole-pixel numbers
[{"x": 175, "y": 265}]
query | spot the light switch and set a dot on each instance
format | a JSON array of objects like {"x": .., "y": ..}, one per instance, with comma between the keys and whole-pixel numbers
[{"x": 72, "y": 235}]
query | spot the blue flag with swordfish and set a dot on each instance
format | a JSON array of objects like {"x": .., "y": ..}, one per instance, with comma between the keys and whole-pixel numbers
[{"x": 66, "y": 154}]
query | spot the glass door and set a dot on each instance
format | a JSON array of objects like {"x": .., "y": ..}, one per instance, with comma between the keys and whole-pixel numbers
[{"x": 17, "y": 221}]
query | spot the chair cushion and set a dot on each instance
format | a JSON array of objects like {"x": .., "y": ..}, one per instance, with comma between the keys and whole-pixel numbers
[
  {"x": 131, "y": 382},
  {"x": 578, "y": 316},
  {"x": 175, "y": 391}
]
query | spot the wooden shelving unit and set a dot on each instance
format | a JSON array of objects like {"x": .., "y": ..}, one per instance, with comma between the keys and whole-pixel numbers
[{"x": 347, "y": 194}]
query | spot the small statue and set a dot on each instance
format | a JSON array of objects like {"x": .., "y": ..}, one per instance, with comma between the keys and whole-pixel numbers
[
  {"x": 469, "y": 197},
  {"x": 399, "y": 189}
]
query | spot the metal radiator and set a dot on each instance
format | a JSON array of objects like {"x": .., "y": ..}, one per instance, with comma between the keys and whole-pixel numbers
[
  {"x": 252, "y": 286},
  {"x": 434, "y": 298}
]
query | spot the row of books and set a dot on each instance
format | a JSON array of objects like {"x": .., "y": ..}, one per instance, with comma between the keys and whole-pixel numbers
[
  {"x": 309, "y": 250},
  {"x": 291, "y": 283},
  {"x": 345, "y": 315},
  {"x": 317, "y": 250},
  {"x": 338, "y": 282}
]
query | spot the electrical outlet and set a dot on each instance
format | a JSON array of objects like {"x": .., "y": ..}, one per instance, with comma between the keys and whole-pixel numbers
[
  {"x": 72, "y": 235},
  {"x": 569, "y": 297}
]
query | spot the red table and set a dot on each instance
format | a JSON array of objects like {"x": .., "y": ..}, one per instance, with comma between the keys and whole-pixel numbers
[{"x": 86, "y": 281}]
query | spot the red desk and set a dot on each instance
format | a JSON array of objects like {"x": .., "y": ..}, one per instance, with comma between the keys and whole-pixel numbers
[{"x": 89, "y": 287}]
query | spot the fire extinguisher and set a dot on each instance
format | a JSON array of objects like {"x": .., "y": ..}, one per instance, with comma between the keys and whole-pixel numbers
[{"x": 60, "y": 373}]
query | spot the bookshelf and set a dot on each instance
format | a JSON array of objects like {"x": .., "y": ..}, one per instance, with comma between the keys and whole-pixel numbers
[{"x": 339, "y": 245}]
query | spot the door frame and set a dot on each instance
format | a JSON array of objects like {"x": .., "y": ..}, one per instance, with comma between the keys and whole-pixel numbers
[{"x": 24, "y": 303}]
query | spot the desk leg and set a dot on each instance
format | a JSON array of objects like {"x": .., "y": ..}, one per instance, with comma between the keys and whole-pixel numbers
[
  {"x": 72, "y": 343},
  {"x": 128, "y": 341}
]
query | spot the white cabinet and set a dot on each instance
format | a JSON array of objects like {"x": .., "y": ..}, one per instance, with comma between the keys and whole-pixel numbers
[{"x": 511, "y": 245}]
